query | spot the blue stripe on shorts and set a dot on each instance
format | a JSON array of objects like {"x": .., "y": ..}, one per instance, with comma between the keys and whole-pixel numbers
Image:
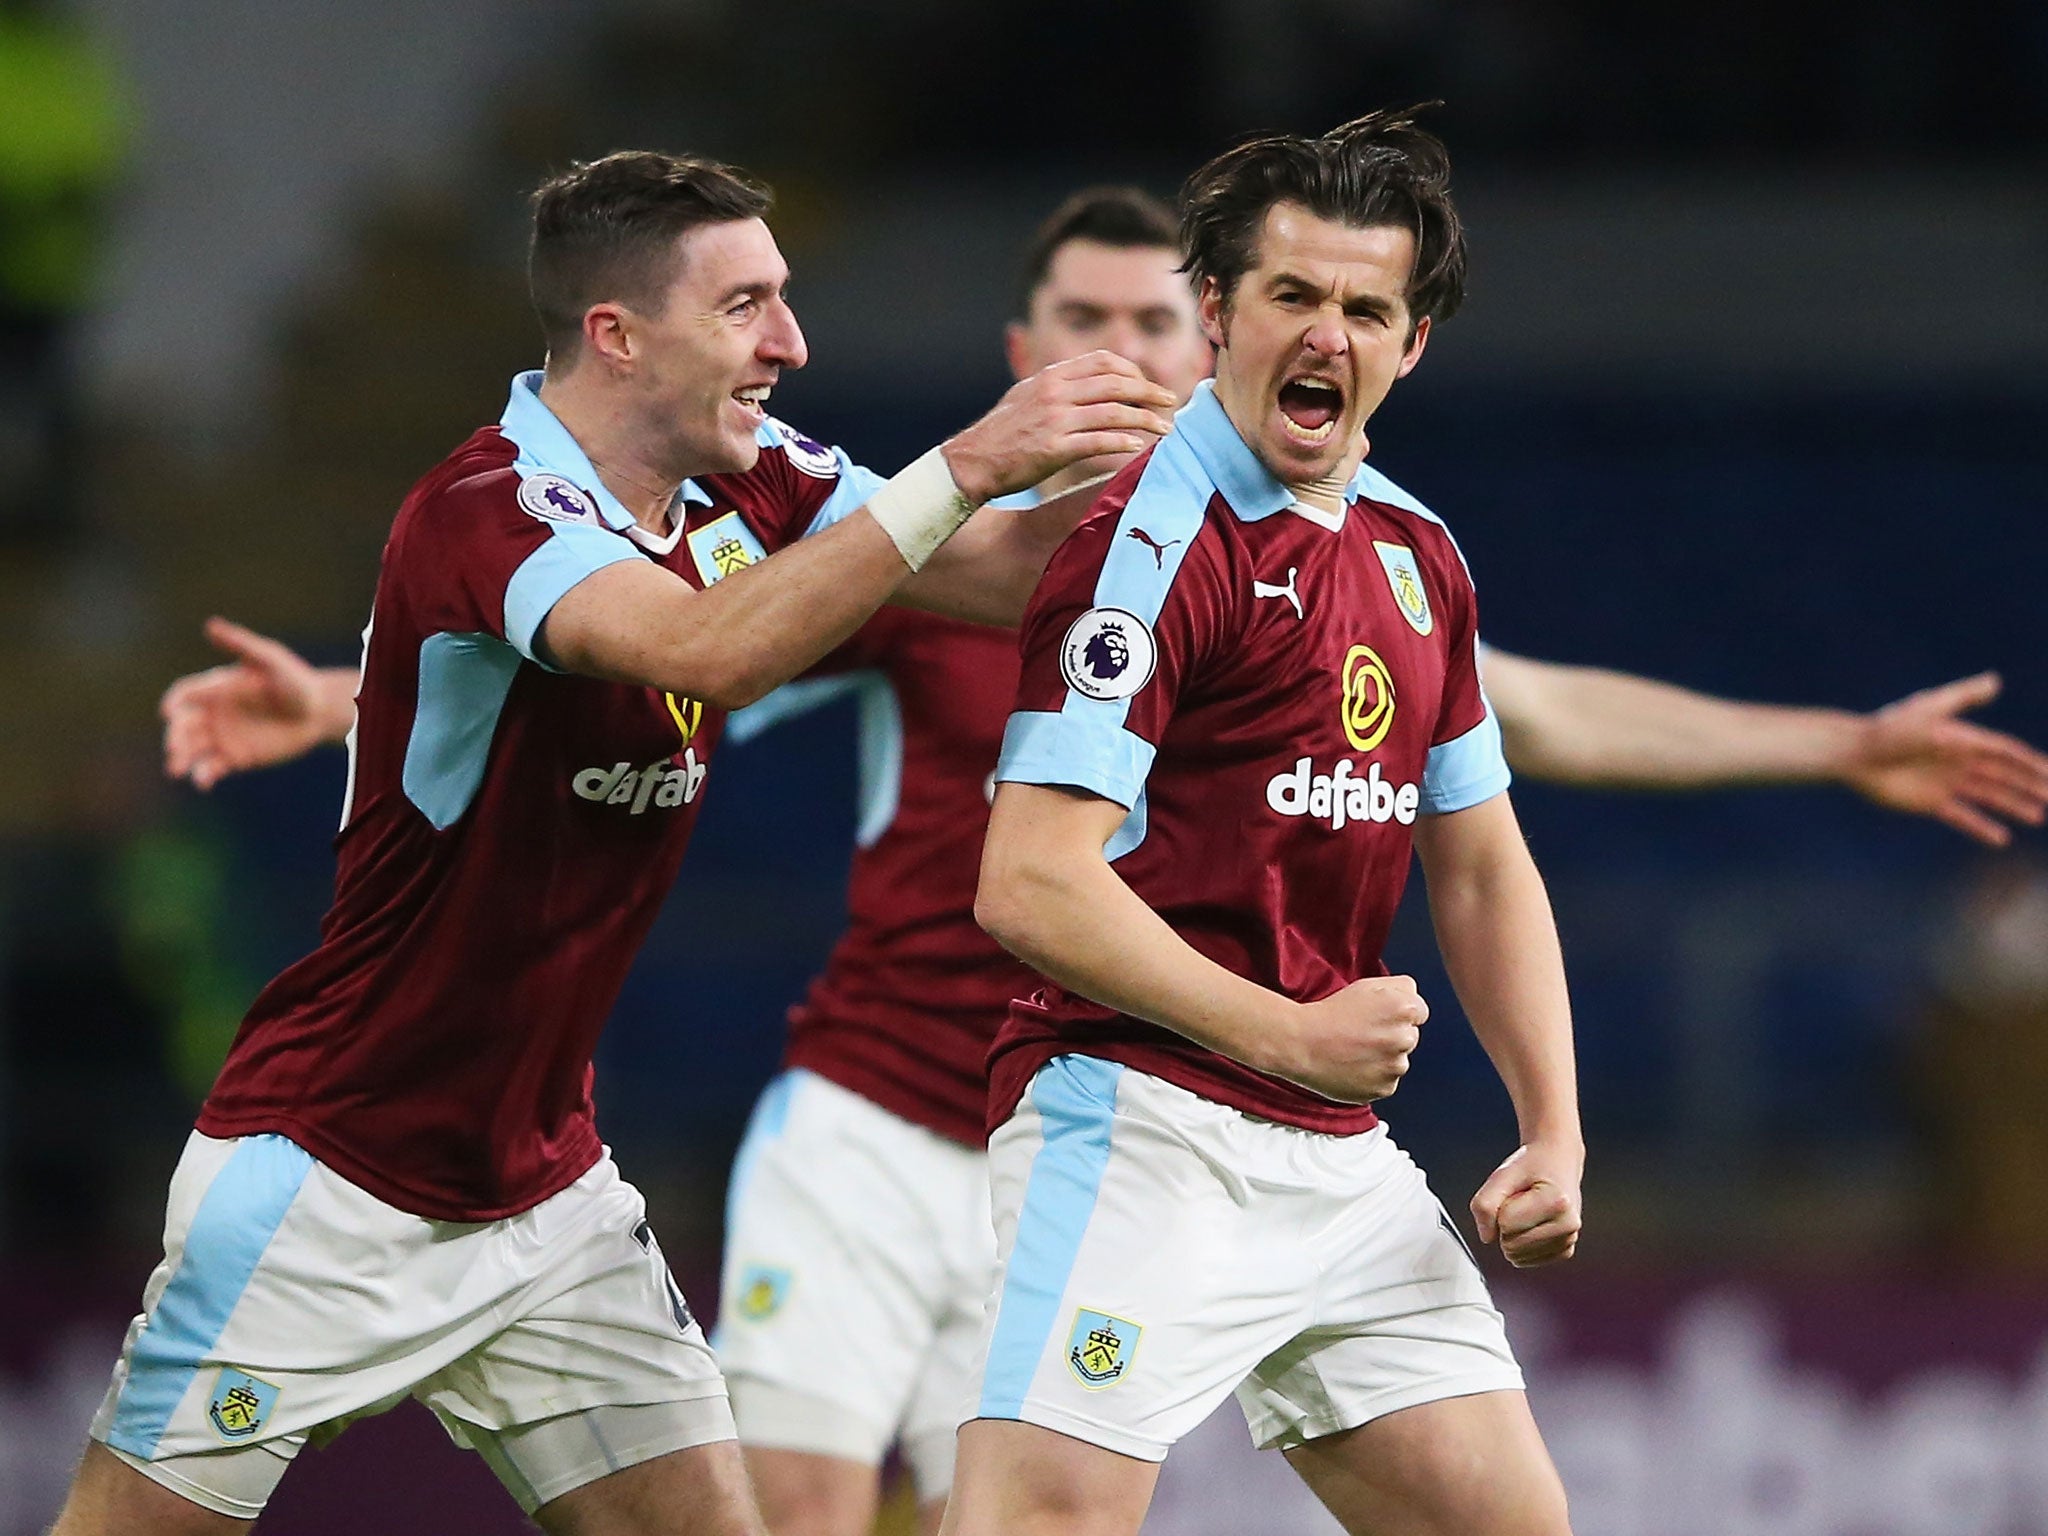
[
  {"x": 1075, "y": 1097},
  {"x": 241, "y": 1211}
]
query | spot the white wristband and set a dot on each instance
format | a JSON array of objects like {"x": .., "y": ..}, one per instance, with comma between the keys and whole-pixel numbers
[{"x": 920, "y": 508}]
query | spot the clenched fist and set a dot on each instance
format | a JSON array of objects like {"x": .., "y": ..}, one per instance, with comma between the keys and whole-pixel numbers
[
  {"x": 1530, "y": 1204},
  {"x": 1354, "y": 1045}
]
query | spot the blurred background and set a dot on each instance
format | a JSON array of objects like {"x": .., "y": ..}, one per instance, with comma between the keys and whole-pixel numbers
[{"x": 1751, "y": 393}]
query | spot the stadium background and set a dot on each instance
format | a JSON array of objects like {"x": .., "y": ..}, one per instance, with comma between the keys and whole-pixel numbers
[{"x": 1750, "y": 394}]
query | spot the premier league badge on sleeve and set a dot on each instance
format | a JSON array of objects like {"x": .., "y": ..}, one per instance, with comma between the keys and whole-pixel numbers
[
  {"x": 813, "y": 458},
  {"x": 1108, "y": 654},
  {"x": 1100, "y": 1347},
  {"x": 1405, "y": 577},
  {"x": 555, "y": 500}
]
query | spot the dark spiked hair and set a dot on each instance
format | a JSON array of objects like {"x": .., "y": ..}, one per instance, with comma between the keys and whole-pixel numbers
[
  {"x": 1380, "y": 169},
  {"x": 1119, "y": 216},
  {"x": 606, "y": 230}
]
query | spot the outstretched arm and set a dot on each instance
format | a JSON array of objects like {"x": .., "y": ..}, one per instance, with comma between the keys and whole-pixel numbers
[
  {"x": 1611, "y": 730},
  {"x": 267, "y": 706},
  {"x": 732, "y": 642},
  {"x": 1499, "y": 944}
]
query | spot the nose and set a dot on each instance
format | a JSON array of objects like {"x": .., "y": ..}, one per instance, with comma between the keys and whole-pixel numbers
[
  {"x": 1327, "y": 336},
  {"x": 782, "y": 342}
]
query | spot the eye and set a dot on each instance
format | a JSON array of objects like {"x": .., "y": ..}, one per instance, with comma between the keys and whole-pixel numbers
[{"x": 744, "y": 309}]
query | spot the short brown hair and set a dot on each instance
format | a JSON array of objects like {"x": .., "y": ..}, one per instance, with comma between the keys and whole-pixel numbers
[
  {"x": 1380, "y": 169},
  {"x": 1119, "y": 216},
  {"x": 607, "y": 229}
]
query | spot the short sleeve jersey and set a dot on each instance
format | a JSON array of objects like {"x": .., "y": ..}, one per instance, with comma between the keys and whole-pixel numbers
[
  {"x": 911, "y": 997},
  {"x": 509, "y": 832},
  {"x": 1274, "y": 696}
]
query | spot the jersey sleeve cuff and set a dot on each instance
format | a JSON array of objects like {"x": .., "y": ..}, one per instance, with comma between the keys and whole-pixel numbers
[
  {"x": 1465, "y": 770},
  {"x": 1079, "y": 751},
  {"x": 572, "y": 552},
  {"x": 856, "y": 485}
]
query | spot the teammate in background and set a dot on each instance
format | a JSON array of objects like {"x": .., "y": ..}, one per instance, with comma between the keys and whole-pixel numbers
[
  {"x": 886, "y": 1053},
  {"x": 1251, "y": 691},
  {"x": 396, "y": 1184}
]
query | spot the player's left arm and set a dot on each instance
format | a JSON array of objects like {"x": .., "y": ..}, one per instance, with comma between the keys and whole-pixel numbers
[
  {"x": 988, "y": 570},
  {"x": 1599, "y": 729},
  {"x": 1499, "y": 944}
]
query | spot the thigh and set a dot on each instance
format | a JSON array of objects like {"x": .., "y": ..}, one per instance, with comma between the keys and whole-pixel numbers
[
  {"x": 110, "y": 1498},
  {"x": 944, "y": 1393},
  {"x": 600, "y": 1325},
  {"x": 836, "y": 1276},
  {"x": 805, "y": 1494},
  {"x": 699, "y": 1491},
  {"x": 288, "y": 1300},
  {"x": 1142, "y": 1277},
  {"x": 1017, "y": 1479},
  {"x": 1454, "y": 1467},
  {"x": 1403, "y": 1316}
]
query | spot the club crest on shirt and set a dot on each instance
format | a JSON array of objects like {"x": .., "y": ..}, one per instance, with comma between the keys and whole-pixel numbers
[
  {"x": 553, "y": 499},
  {"x": 1405, "y": 577},
  {"x": 240, "y": 1405},
  {"x": 1368, "y": 698},
  {"x": 1100, "y": 1347},
  {"x": 762, "y": 1292},
  {"x": 813, "y": 458},
  {"x": 724, "y": 545},
  {"x": 1108, "y": 653}
]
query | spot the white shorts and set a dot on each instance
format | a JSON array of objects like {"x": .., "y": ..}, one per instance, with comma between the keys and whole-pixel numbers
[
  {"x": 289, "y": 1302},
  {"x": 858, "y": 1259},
  {"x": 1161, "y": 1251}
]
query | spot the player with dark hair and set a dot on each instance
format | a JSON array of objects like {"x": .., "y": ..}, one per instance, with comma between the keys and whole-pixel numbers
[
  {"x": 1231, "y": 735},
  {"x": 832, "y": 1346},
  {"x": 396, "y": 1185}
]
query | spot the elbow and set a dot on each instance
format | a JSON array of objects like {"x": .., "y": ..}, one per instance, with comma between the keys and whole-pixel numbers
[{"x": 997, "y": 911}]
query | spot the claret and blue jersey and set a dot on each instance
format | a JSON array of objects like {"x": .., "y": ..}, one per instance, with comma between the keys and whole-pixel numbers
[
  {"x": 510, "y": 830},
  {"x": 1274, "y": 694}
]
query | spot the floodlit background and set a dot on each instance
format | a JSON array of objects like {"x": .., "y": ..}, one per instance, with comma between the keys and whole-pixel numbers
[{"x": 1751, "y": 393}]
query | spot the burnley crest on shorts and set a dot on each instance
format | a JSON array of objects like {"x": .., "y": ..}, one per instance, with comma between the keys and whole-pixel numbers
[
  {"x": 1099, "y": 1349},
  {"x": 240, "y": 1404}
]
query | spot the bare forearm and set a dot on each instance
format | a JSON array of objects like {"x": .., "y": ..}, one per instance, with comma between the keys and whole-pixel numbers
[
  {"x": 736, "y": 640},
  {"x": 1074, "y": 921},
  {"x": 1499, "y": 944},
  {"x": 335, "y": 708},
  {"x": 988, "y": 570},
  {"x": 1600, "y": 729}
]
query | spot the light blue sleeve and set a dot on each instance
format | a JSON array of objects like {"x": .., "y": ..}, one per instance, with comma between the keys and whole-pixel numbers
[
  {"x": 572, "y": 552},
  {"x": 1465, "y": 770}
]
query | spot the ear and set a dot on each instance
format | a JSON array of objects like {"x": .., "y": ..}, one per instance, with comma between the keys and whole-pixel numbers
[
  {"x": 1415, "y": 345},
  {"x": 1017, "y": 349},
  {"x": 608, "y": 334},
  {"x": 1212, "y": 309}
]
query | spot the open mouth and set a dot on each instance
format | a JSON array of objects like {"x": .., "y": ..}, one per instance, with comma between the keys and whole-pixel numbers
[
  {"x": 754, "y": 400},
  {"x": 1310, "y": 407}
]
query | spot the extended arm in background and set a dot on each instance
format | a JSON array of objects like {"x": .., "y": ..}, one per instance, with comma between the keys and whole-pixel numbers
[
  {"x": 1049, "y": 896},
  {"x": 1499, "y": 943},
  {"x": 988, "y": 570},
  {"x": 267, "y": 706},
  {"x": 1597, "y": 729}
]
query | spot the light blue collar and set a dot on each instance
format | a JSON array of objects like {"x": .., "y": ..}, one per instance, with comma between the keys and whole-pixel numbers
[
  {"x": 545, "y": 444},
  {"x": 1251, "y": 489}
]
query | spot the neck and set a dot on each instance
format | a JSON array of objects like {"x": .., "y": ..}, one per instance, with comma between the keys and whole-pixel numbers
[
  {"x": 606, "y": 431},
  {"x": 1328, "y": 493}
]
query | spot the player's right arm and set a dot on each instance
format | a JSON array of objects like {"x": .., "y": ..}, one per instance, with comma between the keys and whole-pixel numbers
[
  {"x": 1050, "y": 896},
  {"x": 729, "y": 644}
]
